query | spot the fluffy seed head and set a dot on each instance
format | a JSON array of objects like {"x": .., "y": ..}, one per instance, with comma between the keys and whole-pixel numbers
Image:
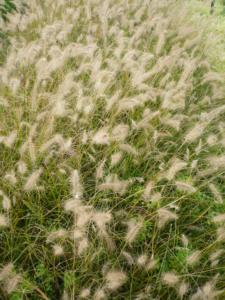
[
  {"x": 133, "y": 230},
  {"x": 115, "y": 279},
  {"x": 165, "y": 216},
  {"x": 170, "y": 278},
  {"x": 194, "y": 257},
  {"x": 4, "y": 222},
  {"x": 32, "y": 180}
]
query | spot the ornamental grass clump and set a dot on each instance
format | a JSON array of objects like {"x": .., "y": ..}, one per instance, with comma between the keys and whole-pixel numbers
[{"x": 112, "y": 154}]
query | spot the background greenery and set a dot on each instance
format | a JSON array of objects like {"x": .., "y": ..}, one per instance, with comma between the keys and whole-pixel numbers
[{"x": 46, "y": 272}]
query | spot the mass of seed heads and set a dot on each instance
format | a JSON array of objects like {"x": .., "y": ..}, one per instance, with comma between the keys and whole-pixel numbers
[{"x": 115, "y": 103}]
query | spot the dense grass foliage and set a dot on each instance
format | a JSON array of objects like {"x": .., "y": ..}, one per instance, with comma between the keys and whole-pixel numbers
[
  {"x": 7, "y": 7},
  {"x": 112, "y": 154}
]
